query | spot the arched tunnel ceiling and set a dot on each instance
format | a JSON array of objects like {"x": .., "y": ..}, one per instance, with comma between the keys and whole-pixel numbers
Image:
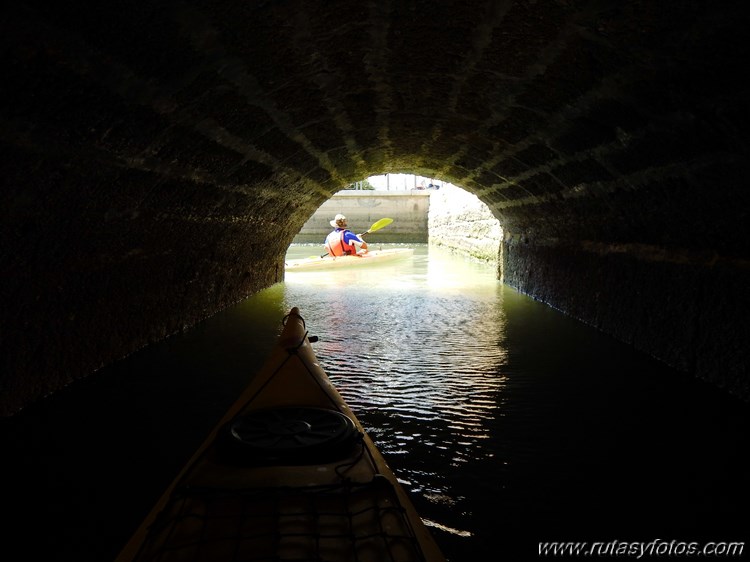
[
  {"x": 195, "y": 138},
  {"x": 531, "y": 105}
]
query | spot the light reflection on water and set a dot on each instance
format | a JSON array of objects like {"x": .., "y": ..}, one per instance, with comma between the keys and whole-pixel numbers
[
  {"x": 416, "y": 349},
  {"x": 406, "y": 339}
]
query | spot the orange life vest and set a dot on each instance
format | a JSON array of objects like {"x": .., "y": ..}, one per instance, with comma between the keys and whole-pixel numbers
[{"x": 337, "y": 247}]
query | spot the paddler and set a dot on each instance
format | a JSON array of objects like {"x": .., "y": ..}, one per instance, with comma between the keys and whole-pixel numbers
[{"x": 342, "y": 241}]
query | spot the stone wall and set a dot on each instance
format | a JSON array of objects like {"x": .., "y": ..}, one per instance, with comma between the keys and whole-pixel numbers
[
  {"x": 408, "y": 209},
  {"x": 688, "y": 309},
  {"x": 460, "y": 221}
]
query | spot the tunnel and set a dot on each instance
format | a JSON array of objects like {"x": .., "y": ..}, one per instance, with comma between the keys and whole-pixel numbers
[{"x": 158, "y": 159}]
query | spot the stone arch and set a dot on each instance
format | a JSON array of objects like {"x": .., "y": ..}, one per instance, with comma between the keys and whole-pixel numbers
[{"x": 157, "y": 160}]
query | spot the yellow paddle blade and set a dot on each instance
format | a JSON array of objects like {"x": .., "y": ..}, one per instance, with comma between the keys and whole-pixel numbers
[{"x": 380, "y": 224}]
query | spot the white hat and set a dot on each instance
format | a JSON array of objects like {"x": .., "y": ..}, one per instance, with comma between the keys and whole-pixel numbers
[{"x": 339, "y": 221}]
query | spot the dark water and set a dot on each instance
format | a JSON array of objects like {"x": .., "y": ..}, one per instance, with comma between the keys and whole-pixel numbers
[{"x": 508, "y": 422}]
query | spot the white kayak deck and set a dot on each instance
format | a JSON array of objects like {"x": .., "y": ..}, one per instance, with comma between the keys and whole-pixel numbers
[{"x": 372, "y": 257}]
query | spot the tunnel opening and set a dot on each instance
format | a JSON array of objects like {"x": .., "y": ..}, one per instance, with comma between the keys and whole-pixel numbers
[{"x": 419, "y": 209}]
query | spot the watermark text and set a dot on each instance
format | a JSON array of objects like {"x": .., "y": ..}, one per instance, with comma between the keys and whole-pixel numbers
[{"x": 638, "y": 549}]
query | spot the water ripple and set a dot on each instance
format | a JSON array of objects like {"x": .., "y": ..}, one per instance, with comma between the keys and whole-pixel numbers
[{"x": 420, "y": 360}]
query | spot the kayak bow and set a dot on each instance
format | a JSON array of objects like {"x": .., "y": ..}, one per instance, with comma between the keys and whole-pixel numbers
[{"x": 288, "y": 474}]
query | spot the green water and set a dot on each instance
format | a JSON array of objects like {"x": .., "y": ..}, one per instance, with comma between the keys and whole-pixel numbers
[{"x": 508, "y": 422}]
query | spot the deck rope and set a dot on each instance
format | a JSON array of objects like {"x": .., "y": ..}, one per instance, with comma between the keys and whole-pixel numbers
[{"x": 267, "y": 509}]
